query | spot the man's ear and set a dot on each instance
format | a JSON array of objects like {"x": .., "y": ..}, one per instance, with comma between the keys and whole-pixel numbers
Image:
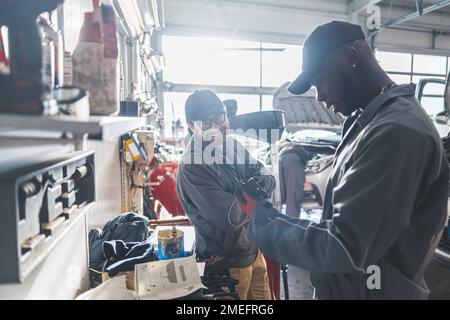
[{"x": 353, "y": 57}]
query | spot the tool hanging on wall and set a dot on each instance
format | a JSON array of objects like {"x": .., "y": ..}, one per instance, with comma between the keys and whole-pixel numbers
[{"x": 137, "y": 153}]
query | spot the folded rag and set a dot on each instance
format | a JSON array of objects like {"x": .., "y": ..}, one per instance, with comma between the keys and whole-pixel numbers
[
  {"x": 122, "y": 256},
  {"x": 128, "y": 227}
]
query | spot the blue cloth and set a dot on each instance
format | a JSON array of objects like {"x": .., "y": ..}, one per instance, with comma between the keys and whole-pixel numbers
[
  {"x": 122, "y": 256},
  {"x": 128, "y": 227}
]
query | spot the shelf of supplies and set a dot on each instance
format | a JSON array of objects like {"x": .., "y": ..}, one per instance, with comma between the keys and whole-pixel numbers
[{"x": 97, "y": 127}]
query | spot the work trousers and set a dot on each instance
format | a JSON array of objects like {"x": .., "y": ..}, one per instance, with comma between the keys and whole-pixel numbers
[{"x": 253, "y": 280}]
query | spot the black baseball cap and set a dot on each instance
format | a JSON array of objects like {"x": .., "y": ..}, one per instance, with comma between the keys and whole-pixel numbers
[
  {"x": 318, "y": 45},
  {"x": 201, "y": 104}
]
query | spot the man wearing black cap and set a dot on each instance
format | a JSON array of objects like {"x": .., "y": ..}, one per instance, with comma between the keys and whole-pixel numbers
[
  {"x": 211, "y": 166},
  {"x": 386, "y": 199},
  {"x": 231, "y": 110}
]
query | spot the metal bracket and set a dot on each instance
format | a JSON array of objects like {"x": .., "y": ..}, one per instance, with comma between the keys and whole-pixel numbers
[{"x": 419, "y": 6}]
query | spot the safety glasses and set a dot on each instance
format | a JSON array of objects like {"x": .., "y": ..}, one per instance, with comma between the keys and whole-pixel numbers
[{"x": 217, "y": 119}]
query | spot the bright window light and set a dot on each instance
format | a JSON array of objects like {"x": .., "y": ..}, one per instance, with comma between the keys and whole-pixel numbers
[
  {"x": 280, "y": 63},
  {"x": 73, "y": 19},
  {"x": 429, "y": 64},
  {"x": 267, "y": 102},
  {"x": 433, "y": 105},
  {"x": 174, "y": 105},
  {"x": 416, "y": 78},
  {"x": 211, "y": 61},
  {"x": 246, "y": 102},
  {"x": 400, "y": 78},
  {"x": 394, "y": 61},
  {"x": 174, "y": 110}
]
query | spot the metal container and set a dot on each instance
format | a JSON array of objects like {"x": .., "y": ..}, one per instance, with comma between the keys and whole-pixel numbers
[{"x": 170, "y": 244}]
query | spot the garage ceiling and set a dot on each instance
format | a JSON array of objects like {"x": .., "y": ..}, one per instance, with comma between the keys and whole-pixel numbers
[{"x": 290, "y": 21}]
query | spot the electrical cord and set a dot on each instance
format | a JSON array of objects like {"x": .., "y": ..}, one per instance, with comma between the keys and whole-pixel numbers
[{"x": 229, "y": 218}]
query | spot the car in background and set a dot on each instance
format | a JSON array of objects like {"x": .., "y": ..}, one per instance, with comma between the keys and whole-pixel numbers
[
  {"x": 320, "y": 146},
  {"x": 430, "y": 93},
  {"x": 434, "y": 96}
]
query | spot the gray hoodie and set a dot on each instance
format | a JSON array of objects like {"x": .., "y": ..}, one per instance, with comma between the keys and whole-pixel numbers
[{"x": 206, "y": 192}]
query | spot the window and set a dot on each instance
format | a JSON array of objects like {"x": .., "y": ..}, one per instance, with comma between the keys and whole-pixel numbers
[
  {"x": 393, "y": 61},
  {"x": 398, "y": 67},
  {"x": 400, "y": 78},
  {"x": 280, "y": 63},
  {"x": 432, "y": 97},
  {"x": 251, "y": 68},
  {"x": 73, "y": 19},
  {"x": 174, "y": 110},
  {"x": 267, "y": 102},
  {"x": 429, "y": 64},
  {"x": 211, "y": 61},
  {"x": 433, "y": 105},
  {"x": 246, "y": 102}
]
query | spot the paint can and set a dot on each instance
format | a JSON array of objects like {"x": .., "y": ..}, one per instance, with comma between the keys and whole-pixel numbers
[{"x": 170, "y": 244}]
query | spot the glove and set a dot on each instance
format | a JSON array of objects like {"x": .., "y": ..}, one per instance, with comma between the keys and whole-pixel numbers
[
  {"x": 246, "y": 203},
  {"x": 254, "y": 189}
]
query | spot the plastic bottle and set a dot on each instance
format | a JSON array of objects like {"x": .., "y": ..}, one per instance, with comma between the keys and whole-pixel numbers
[{"x": 95, "y": 63}]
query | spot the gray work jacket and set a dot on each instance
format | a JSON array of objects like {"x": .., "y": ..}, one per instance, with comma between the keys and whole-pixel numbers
[
  {"x": 206, "y": 192},
  {"x": 385, "y": 204}
]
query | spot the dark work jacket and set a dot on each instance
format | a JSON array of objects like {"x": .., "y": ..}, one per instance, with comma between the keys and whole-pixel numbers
[
  {"x": 206, "y": 192},
  {"x": 385, "y": 205}
]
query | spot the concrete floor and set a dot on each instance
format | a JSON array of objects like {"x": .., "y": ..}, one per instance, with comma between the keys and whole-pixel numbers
[{"x": 300, "y": 287}]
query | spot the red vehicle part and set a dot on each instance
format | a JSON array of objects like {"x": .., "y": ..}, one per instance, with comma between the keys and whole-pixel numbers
[
  {"x": 164, "y": 190},
  {"x": 273, "y": 271},
  {"x": 3, "y": 59}
]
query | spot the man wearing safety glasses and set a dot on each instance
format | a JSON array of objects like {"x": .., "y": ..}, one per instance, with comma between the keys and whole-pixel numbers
[{"x": 212, "y": 164}]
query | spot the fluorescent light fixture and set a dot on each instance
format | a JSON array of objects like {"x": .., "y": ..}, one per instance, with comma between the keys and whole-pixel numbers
[
  {"x": 148, "y": 19},
  {"x": 132, "y": 15},
  {"x": 141, "y": 15}
]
